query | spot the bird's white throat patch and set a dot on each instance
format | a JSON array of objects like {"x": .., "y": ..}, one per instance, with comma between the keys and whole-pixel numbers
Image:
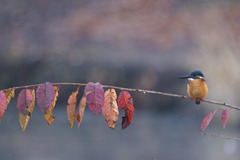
[{"x": 200, "y": 77}]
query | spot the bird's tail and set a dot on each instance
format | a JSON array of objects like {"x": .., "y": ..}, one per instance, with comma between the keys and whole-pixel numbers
[{"x": 197, "y": 101}]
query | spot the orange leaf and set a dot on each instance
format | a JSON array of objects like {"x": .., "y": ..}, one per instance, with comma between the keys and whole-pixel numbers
[
  {"x": 224, "y": 117},
  {"x": 81, "y": 109},
  {"x": 207, "y": 120},
  {"x": 48, "y": 112},
  {"x": 72, "y": 100},
  {"x": 110, "y": 108}
]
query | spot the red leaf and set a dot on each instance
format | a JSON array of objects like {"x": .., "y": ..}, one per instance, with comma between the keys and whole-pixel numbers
[
  {"x": 127, "y": 118},
  {"x": 207, "y": 120},
  {"x": 124, "y": 98},
  {"x": 45, "y": 96},
  {"x": 3, "y": 104},
  {"x": 95, "y": 96},
  {"x": 24, "y": 99},
  {"x": 224, "y": 117},
  {"x": 125, "y": 102}
]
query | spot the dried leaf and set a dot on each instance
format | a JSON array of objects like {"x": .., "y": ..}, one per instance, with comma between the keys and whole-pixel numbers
[
  {"x": 45, "y": 96},
  {"x": 224, "y": 117},
  {"x": 9, "y": 95},
  {"x": 207, "y": 120},
  {"x": 124, "y": 98},
  {"x": 81, "y": 109},
  {"x": 5, "y": 100},
  {"x": 72, "y": 100},
  {"x": 127, "y": 118},
  {"x": 32, "y": 104},
  {"x": 95, "y": 96},
  {"x": 49, "y": 118},
  {"x": 48, "y": 112},
  {"x": 125, "y": 102},
  {"x": 24, "y": 119},
  {"x": 24, "y": 99},
  {"x": 110, "y": 108},
  {"x": 56, "y": 94},
  {"x": 3, "y": 104}
]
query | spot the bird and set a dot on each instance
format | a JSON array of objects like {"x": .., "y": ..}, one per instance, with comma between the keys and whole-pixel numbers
[{"x": 197, "y": 86}]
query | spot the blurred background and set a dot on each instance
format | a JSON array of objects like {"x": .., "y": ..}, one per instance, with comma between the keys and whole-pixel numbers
[{"x": 144, "y": 44}]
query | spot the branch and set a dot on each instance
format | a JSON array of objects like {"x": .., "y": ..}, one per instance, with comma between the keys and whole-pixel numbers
[
  {"x": 144, "y": 92},
  {"x": 219, "y": 135},
  {"x": 134, "y": 90}
]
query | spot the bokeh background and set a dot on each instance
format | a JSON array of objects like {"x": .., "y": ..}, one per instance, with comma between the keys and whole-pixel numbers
[{"x": 143, "y": 44}]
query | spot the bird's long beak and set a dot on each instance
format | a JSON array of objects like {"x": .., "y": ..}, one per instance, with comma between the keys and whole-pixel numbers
[{"x": 184, "y": 77}]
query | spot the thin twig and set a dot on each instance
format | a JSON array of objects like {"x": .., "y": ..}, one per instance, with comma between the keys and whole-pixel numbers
[
  {"x": 222, "y": 104},
  {"x": 149, "y": 92},
  {"x": 219, "y": 135},
  {"x": 133, "y": 90}
]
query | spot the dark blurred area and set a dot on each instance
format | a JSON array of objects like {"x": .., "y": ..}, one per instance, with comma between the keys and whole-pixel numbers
[{"x": 145, "y": 44}]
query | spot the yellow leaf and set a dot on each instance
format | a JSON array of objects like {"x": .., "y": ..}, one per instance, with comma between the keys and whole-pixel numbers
[
  {"x": 81, "y": 109},
  {"x": 9, "y": 95},
  {"x": 56, "y": 89},
  {"x": 48, "y": 113},
  {"x": 23, "y": 120},
  {"x": 32, "y": 104},
  {"x": 110, "y": 108},
  {"x": 48, "y": 117},
  {"x": 72, "y": 100}
]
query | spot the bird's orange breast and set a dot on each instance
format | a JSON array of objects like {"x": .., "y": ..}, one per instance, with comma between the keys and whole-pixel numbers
[{"x": 197, "y": 89}]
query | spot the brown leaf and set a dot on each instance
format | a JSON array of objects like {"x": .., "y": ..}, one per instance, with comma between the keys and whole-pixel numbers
[
  {"x": 72, "y": 100},
  {"x": 110, "y": 108},
  {"x": 81, "y": 109},
  {"x": 24, "y": 119}
]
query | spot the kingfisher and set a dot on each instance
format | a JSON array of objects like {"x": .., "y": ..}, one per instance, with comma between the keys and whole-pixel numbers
[{"x": 197, "y": 86}]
